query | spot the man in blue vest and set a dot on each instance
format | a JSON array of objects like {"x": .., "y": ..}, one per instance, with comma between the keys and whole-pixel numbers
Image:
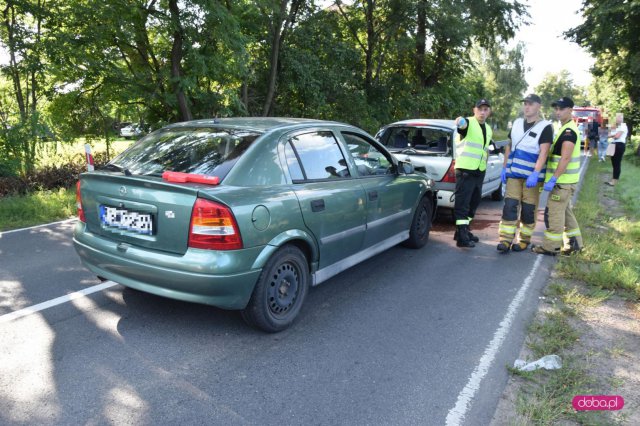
[
  {"x": 523, "y": 173},
  {"x": 471, "y": 157}
]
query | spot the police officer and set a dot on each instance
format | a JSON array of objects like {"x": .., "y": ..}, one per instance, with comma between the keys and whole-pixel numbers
[
  {"x": 471, "y": 164},
  {"x": 563, "y": 172},
  {"x": 523, "y": 172}
]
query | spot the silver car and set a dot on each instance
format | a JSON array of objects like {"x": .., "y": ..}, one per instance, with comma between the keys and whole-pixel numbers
[{"x": 430, "y": 145}]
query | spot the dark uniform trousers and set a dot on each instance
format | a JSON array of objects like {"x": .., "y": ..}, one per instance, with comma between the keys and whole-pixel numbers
[{"x": 468, "y": 194}]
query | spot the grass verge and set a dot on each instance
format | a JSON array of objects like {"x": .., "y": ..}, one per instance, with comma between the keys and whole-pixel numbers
[
  {"x": 49, "y": 206},
  {"x": 37, "y": 208},
  {"x": 609, "y": 265},
  {"x": 611, "y": 230}
]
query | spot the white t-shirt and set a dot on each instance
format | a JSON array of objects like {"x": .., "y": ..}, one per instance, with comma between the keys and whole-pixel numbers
[{"x": 623, "y": 137}]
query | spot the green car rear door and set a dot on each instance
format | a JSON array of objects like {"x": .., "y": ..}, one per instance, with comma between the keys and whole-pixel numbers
[{"x": 332, "y": 202}]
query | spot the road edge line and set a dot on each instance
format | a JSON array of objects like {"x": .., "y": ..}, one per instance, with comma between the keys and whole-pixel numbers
[
  {"x": 54, "y": 302},
  {"x": 458, "y": 412}
]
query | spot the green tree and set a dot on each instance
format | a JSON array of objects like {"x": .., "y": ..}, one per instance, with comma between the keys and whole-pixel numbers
[
  {"x": 556, "y": 85},
  {"x": 611, "y": 32},
  {"x": 503, "y": 72},
  {"x": 21, "y": 34}
]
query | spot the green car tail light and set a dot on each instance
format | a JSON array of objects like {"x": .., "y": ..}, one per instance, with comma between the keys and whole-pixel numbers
[
  {"x": 213, "y": 227},
  {"x": 81, "y": 217}
]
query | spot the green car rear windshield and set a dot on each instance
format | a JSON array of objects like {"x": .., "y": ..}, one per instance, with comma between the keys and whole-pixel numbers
[{"x": 207, "y": 151}]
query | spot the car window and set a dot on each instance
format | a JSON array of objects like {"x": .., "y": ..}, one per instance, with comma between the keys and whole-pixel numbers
[
  {"x": 368, "y": 158},
  {"x": 425, "y": 140},
  {"x": 317, "y": 155},
  {"x": 209, "y": 151}
]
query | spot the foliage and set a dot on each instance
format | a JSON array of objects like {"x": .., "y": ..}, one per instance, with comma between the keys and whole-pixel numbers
[
  {"x": 83, "y": 66},
  {"x": 503, "y": 71},
  {"x": 554, "y": 86},
  {"x": 611, "y": 32},
  {"x": 51, "y": 177}
]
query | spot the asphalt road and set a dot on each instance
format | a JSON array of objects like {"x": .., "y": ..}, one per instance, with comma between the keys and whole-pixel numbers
[{"x": 407, "y": 337}]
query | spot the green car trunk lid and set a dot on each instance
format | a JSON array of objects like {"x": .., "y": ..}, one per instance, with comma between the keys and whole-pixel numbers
[{"x": 139, "y": 210}]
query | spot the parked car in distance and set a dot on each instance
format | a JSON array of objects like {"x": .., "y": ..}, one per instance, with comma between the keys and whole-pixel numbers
[
  {"x": 430, "y": 145},
  {"x": 131, "y": 131},
  {"x": 247, "y": 213}
]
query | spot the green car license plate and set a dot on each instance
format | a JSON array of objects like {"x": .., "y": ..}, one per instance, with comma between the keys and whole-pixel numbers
[{"x": 122, "y": 219}]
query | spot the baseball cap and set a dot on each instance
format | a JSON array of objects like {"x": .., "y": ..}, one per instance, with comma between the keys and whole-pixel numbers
[
  {"x": 563, "y": 102},
  {"x": 532, "y": 97},
  {"x": 483, "y": 101}
]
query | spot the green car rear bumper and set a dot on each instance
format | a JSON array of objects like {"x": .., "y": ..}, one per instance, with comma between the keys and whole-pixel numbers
[{"x": 222, "y": 279}]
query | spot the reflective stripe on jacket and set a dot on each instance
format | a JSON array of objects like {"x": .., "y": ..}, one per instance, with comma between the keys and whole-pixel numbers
[
  {"x": 525, "y": 150},
  {"x": 572, "y": 173},
  {"x": 472, "y": 151}
]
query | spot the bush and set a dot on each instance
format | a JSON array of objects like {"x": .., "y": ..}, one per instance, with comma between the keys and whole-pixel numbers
[{"x": 48, "y": 178}]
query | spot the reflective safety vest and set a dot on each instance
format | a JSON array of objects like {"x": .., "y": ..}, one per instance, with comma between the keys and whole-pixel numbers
[
  {"x": 472, "y": 151},
  {"x": 525, "y": 149},
  {"x": 572, "y": 173}
]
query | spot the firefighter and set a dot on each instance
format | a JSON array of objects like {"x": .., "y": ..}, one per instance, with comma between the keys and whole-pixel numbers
[
  {"x": 472, "y": 153},
  {"x": 523, "y": 172},
  {"x": 562, "y": 175}
]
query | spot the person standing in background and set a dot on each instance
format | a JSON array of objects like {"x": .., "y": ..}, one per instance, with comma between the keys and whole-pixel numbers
[
  {"x": 619, "y": 136},
  {"x": 594, "y": 136},
  {"x": 603, "y": 142}
]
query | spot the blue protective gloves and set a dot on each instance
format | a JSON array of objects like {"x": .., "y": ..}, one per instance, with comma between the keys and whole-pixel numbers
[
  {"x": 503, "y": 175},
  {"x": 549, "y": 185},
  {"x": 532, "y": 180}
]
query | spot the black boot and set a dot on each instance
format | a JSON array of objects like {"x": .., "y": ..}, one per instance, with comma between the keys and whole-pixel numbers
[
  {"x": 463, "y": 237},
  {"x": 471, "y": 236}
]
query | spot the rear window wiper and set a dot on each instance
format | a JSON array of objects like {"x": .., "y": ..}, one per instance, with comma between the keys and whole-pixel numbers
[{"x": 117, "y": 168}]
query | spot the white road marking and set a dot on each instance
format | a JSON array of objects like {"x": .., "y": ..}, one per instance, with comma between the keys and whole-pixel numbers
[
  {"x": 54, "y": 302},
  {"x": 37, "y": 226},
  {"x": 457, "y": 413}
]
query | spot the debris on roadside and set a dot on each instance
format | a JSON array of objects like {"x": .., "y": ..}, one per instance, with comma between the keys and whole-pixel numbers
[{"x": 548, "y": 362}]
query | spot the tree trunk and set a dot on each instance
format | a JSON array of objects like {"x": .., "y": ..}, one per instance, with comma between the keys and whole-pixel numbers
[
  {"x": 10, "y": 22},
  {"x": 371, "y": 46},
  {"x": 433, "y": 77},
  {"x": 276, "y": 38},
  {"x": 421, "y": 42},
  {"x": 245, "y": 97},
  {"x": 281, "y": 24},
  {"x": 176, "y": 58}
]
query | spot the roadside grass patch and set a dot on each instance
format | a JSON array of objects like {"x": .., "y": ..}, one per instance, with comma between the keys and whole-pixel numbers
[
  {"x": 609, "y": 265},
  {"x": 44, "y": 206},
  {"x": 37, "y": 208},
  {"x": 551, "y": 335},
  {"x": 549, "y": 400},
  {"x": 611, "y": 257}
]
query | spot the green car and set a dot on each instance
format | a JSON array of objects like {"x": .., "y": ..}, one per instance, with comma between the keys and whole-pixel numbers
[{"x": 247, "y": 213}]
